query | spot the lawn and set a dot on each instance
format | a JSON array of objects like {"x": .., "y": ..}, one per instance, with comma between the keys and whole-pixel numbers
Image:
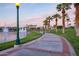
[
  {"x": 71, "y": 37},
  {"x": 29, "y": 37}
]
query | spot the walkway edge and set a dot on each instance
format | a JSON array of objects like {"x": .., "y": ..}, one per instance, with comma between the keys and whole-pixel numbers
[
  {"x": 10, "y": 49},
  {"x": 71, "y": 49}
]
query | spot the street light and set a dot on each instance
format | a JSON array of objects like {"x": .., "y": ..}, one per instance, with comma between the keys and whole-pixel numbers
[{"x": 18, "y": 39}]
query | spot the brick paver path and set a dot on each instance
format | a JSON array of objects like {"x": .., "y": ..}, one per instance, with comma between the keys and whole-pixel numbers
[{"x": 47, "y": 45}]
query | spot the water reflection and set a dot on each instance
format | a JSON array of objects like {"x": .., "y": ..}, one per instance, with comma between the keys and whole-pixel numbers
[
  {"x": 6, "y": 36},
  {"x": 10, "y": 36}
]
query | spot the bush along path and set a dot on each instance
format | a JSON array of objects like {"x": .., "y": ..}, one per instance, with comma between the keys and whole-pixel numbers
[{"x": 47, "y": 45}]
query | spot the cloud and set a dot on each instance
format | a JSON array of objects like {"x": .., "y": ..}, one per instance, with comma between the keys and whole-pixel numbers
[{"x": 35, "y": 21}]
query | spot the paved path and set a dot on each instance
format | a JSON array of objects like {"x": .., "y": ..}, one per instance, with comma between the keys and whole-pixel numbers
[{"x": 47, "y": 45}]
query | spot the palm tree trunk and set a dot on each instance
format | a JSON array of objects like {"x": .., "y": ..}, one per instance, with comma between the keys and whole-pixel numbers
[
  {"x": 45, "y": 28},
  {"x": 67, "y": 23},
  {"x": 49, "y": 25},
  {"x": 63, "y": 20},
  {"x": 77, "y": 19},
  {"x": 56, "y": 25}
]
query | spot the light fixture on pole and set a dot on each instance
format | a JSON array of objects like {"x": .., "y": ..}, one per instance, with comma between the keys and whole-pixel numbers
[{"x": 18, "y": 38}]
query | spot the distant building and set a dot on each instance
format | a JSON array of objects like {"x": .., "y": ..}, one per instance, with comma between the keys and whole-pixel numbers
[{"x": 32, "y": 26}]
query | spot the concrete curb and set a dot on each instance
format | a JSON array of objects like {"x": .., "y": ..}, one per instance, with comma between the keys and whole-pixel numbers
[
  {"x": 71, "y": 49},
  {"x": 16, "y": 47}
]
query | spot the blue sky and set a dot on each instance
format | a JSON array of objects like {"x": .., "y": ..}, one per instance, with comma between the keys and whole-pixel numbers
[
  {"x": 30, "y": 13},
  {"x": 27, "y": 10}
]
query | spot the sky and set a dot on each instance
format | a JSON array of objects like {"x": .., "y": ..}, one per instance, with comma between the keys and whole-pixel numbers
[{"x": 30, "y": 13}]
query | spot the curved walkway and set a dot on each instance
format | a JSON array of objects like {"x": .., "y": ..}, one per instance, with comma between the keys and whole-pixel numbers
[{"x": 47, "y": 45}]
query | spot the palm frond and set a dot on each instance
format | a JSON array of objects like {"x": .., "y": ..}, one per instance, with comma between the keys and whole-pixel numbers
[
  {"x": 58, "y": 7},
  {"x": 66, "y": 6},
  {"x": 56, "y": 16}
]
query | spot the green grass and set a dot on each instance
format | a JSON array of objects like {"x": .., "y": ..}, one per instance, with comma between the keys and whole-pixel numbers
[
  {"x": 29, "y": 37},
  {"x": 71, "y": 37}
]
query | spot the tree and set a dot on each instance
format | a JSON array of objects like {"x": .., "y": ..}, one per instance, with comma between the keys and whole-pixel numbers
[
  {"x": 63, "y": 7},
  {"x": 67, "y": 19},
  {"x": 68, "y": 22},
  {"x": 48, "y": 21},
  {"x": 45, "y": 23},
  {"x": 76, "y": 5},
  {"x": 56, "y": 16}
]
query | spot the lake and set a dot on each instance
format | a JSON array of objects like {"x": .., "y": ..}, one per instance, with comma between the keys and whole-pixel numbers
[{"x": 10, "y": 36}]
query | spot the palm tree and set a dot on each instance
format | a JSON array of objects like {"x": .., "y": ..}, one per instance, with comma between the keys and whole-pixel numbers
[
  {"x": 45, "y": 23},
  {"x": 67, "y": 19},
  {"x": 68, "y": 22},
  {"x": 48, "y": 20},
  {"x": 76, "y": 5},
  {"x": 63, "y": 7},
  {"x": 56, "y": 16}
]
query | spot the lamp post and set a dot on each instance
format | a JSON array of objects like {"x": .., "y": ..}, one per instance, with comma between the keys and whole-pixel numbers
[{"x": 18, "y": 39}]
